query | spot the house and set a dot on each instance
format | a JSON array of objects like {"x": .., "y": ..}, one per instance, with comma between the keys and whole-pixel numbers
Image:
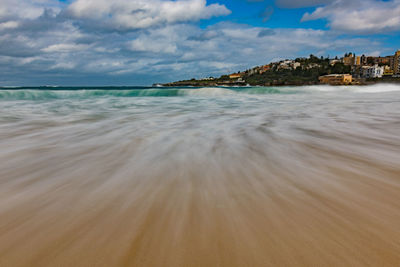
[
  {"x": 375, "y": 71},
  {"x": 336, "y": 79},
  {"x": 295, "y": 65},
  {"x": 334, "y": 61},
  {"x": 284, "y": 66},
  {"x": 235, "y": 76},
  {"x": 288, "y": 65},
  {"x": 264, "y": 68},
  {"x": 253, "y": 71},
  {"x": 313, "y": 65}
]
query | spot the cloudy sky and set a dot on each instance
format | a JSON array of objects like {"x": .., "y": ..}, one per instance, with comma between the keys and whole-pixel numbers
[{"x": 140, "y": 42}]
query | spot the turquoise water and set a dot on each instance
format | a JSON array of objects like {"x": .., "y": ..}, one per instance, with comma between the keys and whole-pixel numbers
[{"x": 39, "y": 93}]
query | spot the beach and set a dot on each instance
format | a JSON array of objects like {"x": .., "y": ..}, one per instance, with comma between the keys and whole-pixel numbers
[{"x": 257, "y": 176}]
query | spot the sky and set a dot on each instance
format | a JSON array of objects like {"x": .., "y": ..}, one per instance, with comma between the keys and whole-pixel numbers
[{"x": 141, "y": 42}]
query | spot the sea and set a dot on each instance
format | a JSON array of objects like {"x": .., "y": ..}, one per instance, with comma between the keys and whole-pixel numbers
[{"x": 224, "y": 176}]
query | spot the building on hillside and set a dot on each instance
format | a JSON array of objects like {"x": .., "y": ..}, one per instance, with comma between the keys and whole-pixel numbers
[
  {"x": 357, "y": 61},
  {"x": 356, "y": 71},
  {"x": 385, "y": 60},
  {"x": 375, "y": 71},
  {"x": 396, "y": 63},
  {"x": 388, "y": 72},
  {"x": 334, "y": 61},
  {"x": 379, "y": 60},
  {"x": 235, "y": 76},
  {"x": 264, "y": 68},
  {"x": 295, "y": 65},
  {"x": 253, "y": 71},
  {"x": 336, "y": 79},
  {"x": 349, "y": 60},
  {"x": 285, "y": 65},
  {"x": 312, "y": 66},
  {"x": 288, "y": 65},
  {"x": 372, "y": 60},
  {"x": 363, "y": 60}
]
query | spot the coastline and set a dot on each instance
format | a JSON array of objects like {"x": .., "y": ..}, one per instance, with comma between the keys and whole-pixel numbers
[
  {"x": 236, "y": 84},
  {"x": 224, "y": 177}
]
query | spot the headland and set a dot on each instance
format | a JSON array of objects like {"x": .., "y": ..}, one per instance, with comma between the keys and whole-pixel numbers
[{"x": 347, "y": 70}]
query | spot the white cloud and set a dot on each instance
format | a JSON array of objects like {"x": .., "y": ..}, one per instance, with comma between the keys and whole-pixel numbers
[
  {"x": 65, "y": 48},
  {"x": 141, "y": 14},
  {"x": 167, "y": 53},
  {"x": 160, "y": 40},
  {"x": 26, "y": 9},
  {"x": 137, "y": 39},
  {"x": 63, "y": 66},
  {"x": 363, "y": 16},
  {"x": 9, "y": 25},
  {"x": 145, "y": 44}
]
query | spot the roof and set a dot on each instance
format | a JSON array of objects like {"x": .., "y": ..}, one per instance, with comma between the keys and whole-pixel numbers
[{"x": 334, "y": 75}]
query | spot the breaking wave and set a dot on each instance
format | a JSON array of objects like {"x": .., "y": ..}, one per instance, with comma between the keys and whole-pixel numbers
[{"x": 73, "y": 93}]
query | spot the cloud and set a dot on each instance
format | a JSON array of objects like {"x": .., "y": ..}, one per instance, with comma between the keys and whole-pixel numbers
[
  {"x": 208, "y": 35},
  {"x": 168, "y": 53},
  {"x": 360, "y": 16},
  {"x": 141, "y": 14},
  {"x": 8, "y": 25},
  {"x": 26, "y": 9},
  {"x": 266, "y": 32},
  {"x": 160, "y": 41},
  {"x": 137, "y": 43},
  {"x": 65, "y": 48}
]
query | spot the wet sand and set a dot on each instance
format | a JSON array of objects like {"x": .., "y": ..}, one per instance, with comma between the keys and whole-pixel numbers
[{"x": 307, "y": 184}]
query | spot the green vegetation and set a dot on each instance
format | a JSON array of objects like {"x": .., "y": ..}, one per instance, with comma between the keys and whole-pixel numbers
[
  {"x": 307, "y": 73},
  {"x": 300, "y": 71}
]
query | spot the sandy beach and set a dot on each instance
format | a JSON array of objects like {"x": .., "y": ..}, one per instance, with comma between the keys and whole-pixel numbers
[{"x": 305, "y": 179}]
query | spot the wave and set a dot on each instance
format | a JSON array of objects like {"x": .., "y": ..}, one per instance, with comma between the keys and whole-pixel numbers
[
  {"x": 207, "y": 91},
  {"x": 381, "y": 88},
  {"x": 32, "y": 94},
  {"x": 375, "y": 88},
  {"x": 65, "y": 93},
  {"x": 47, "y": 94}
]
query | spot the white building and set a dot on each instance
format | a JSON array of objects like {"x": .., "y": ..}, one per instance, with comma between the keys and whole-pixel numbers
[
  {"x": 372, "y": 71},
  {"x": 295, "y": 65},
  {"x": 313, "y": 65},
  {"x": 334, "y": 61},
  {"x": 289, "y": 65}
]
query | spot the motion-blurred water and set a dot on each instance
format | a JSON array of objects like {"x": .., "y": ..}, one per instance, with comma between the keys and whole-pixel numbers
[{"x": 286, "y": 176}]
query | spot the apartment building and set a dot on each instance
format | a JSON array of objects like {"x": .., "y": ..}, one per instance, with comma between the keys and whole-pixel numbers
[{"x": 396, "y": 63}]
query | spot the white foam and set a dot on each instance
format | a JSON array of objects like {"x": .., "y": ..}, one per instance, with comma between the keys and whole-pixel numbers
[
  {"x": 208, "y": 91},
  {"x": 375, "y": 88}
]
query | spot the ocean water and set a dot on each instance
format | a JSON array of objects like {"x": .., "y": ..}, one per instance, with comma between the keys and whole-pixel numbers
[{"x": 254, "y": 176}]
